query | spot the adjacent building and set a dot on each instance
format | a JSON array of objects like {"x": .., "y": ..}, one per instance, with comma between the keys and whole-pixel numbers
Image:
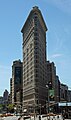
[
  {"x": 16, "y": 82},
  {"x": 63, "y": 93},
  {"x": 1, "y": 100},
  {"x": 51, "y": 78},
  {"x": 57, "y": 86},
  {"x": 69, "y": 95},
  {"x": 10, "y": 90},
  {"x": 5, "y": 97}
]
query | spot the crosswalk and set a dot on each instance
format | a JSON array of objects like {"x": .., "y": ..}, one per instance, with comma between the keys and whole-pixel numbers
[{"x": 57, "y": 117}]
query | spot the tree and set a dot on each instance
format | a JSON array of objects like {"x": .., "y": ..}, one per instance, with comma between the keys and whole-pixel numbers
[
  {"x": 1, "y": 107},
  {"x": 10, "y": 108}
]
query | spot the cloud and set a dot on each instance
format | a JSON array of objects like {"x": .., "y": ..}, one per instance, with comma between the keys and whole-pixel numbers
[
  {"x": 59, "y": 41},
  {"x": 67, "y": 30},
  {"x": 56, "y": 55},
  {"x": 64, "y": 5}
]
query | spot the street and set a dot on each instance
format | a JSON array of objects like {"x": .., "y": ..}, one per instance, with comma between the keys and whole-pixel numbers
[
  {"x": 10, "y": 118},
  {"x": 32, "y": 118},
  {"x": 59, "y": 117}
]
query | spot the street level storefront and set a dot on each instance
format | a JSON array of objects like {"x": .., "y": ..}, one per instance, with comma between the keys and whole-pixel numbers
[{"x": 65, "y": 109}]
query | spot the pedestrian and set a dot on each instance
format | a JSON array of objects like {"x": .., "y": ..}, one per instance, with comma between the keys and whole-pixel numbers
[
  {"x": 39, "y": 117},
  {"x": 19, "y": 118}
]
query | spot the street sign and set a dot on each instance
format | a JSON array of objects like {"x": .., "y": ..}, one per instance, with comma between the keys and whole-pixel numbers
[{"x": 51, "y": 93}]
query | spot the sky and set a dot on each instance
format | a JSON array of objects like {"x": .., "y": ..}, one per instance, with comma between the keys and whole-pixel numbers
[{"x": 57, "y": 16}]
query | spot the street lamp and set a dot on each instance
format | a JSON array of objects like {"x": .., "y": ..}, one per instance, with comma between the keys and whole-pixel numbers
[
  {"x": 15, "y": 109},
  {"x": 40, "y": 108},
  {"x": 48, "y": 100},
  {"x": 48, "y": 106}
]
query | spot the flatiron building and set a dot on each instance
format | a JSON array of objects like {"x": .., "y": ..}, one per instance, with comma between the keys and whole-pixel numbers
[{"x": 34, "y": 60}]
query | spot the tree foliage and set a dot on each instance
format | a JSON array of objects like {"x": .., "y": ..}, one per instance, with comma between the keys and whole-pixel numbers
[
  {"x": 10, "y": 107},
  {"x": 1, "y": 106}
]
